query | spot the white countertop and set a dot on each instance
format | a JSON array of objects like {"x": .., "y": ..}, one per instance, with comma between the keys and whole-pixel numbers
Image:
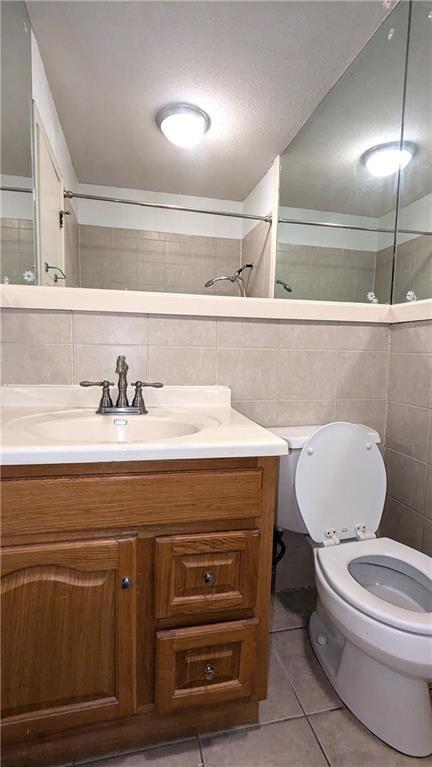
[{"x": 29, "y": 413}]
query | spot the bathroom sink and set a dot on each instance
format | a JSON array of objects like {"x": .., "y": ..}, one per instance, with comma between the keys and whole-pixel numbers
[
  {"x": 58, "y": 424},
  {"x": 83, "y": 426}
]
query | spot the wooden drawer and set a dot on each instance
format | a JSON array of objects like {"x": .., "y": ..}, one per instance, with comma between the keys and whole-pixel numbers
[
  {"x": 205, "y": 665},
  {"x": 87, "y": 503},
  {"x": 206, "y": 573}
]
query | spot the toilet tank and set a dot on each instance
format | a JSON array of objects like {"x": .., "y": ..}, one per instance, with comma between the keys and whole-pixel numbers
[{"x": 288, "y": 512}]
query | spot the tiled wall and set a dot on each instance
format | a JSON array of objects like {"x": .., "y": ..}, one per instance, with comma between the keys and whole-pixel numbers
[
  {"x": 413, "y": 270},
  {"x": 16, "y": 249},
  {"x": 279, "y": 372},
  {"x": 135, "y": 259},
  {"x": 325, "y": 274},
  {"x": 408, "y": 455}
]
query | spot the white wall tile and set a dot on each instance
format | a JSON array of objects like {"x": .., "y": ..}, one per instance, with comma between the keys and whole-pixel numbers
[
  {"x": 36, "y": 364},
  {"x": 175, "y": 366},
  {"x": 93, "y": 328},
  {"x": 250, "y": 373},
  {"x": 307, "y": 375},
  {"x": 182, "y": 331},
  {"x": 36, "y": 326}
]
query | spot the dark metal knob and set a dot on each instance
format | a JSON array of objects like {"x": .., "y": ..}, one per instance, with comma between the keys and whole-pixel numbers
[
  {"x": 126, "y": 583},
  {"x": 208, "y": 578},
  {"x": 208, "y": 672}
]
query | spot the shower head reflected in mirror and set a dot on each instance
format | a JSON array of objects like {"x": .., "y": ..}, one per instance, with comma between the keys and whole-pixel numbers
[
  {"x": 285, "y": 285},
  {"x": 236, "y": 277}
]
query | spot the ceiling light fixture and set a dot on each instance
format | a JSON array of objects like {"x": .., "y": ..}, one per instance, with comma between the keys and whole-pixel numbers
[
  {"x": 386, "y": 159},
  {"x": 183, "y": 124}
]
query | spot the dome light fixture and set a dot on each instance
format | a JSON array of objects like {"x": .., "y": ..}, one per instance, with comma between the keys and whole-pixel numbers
[
  {"x": 183, "y": 124},
  {"x": 385, "y": 159}
]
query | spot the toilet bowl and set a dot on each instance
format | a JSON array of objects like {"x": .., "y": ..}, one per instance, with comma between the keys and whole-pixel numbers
[{"x": 372, "y": 626}]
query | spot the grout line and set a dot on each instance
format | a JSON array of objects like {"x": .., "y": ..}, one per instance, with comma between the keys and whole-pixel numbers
[
  {"x": 409, "y": 509},
  {"x": 201, "y": 753},
  {"x": 321, "y": 747},
  {"x": 406, "y": 455},
  {"x": 131, "y": 752},
  {"x": 288, "y": 628},
  {"x": 250, "y": 726},
  {"x": 287, "y": 676}
]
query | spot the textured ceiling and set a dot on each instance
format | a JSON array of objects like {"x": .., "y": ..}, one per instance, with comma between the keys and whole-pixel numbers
[
  {"x": 321, "y": 168},
  {"x": 258, "y": 68}
]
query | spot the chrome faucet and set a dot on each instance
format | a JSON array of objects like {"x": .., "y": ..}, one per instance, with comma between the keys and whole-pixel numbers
[
  {"x": 122, "y": 406},
  {"x": 236, "y": 277}
]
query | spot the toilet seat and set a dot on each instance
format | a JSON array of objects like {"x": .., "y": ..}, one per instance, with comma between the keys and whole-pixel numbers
[
  {"x": 334, "y": 562},
  {"x": 340, "y": 484}
]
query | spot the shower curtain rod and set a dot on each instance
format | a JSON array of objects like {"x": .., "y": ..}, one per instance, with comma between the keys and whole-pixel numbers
[
  {"x": 334, "y": 225},
  {"x": 165, "y": 206},
  {"x": 268, "y": 219}
]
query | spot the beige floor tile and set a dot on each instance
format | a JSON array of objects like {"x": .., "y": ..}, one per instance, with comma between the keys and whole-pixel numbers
[
  {"x": 283, "y": 744},
  {"x": 348, "y": 744},
  {"x": 185, "y": 753},
  {"x": 281, "y": 702},
  {"x": 305, "y": 673},
  {"x": 292, "y": 608}
]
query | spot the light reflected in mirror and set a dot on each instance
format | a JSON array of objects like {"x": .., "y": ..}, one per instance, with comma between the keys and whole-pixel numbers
[
  {"x": 325, "y": 178},
  {"x": 16, "y": 220},
  {"x": 413, "y": 263}
]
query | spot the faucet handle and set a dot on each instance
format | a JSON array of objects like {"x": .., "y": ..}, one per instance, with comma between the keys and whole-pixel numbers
[
  {"x": 106, "y": 400},
  {"x": 138, "y": 400},
  {"x": 141, "y": 384},
  {"x": 96, "y": 383}
]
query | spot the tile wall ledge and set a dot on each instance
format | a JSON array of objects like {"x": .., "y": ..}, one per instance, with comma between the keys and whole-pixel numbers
[{"x": 137, "y": 302}]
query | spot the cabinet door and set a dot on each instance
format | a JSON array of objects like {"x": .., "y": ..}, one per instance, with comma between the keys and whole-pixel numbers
[{"x": 68, "y": 635}]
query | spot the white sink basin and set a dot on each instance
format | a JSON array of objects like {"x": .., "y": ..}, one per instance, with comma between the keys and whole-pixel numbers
[
  {"x": 58, "y": 424},
  {"x": 83, "y": 426}
]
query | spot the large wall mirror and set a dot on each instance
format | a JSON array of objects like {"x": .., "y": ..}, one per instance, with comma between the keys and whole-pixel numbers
[
  {"x": 413, "y": 259},
  {"x": 124, "y": 199},
  {"x": 367, "y": 216}
]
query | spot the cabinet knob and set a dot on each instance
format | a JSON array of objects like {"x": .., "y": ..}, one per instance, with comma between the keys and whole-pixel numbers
[
  {"x": 126, "y": 583},
  {"x": 208, "y": 578},
  {"x": 208, "y": 672}
]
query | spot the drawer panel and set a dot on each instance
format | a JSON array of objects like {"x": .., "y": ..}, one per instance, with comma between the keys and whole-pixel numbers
[
  {"x": 205, "y": 665},
  {"x": 206, "y": 573},
  {"x": 60, "y": 504}
]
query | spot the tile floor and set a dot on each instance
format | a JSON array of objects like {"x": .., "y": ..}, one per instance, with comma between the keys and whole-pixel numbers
[{"x": 302, "y": 723}]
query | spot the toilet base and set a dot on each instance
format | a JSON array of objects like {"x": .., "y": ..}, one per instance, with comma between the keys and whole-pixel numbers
[{"x": 395, "y": 707}]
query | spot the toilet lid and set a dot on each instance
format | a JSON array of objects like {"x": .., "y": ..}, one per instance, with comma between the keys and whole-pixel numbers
[{"x": 340, "y": 482}]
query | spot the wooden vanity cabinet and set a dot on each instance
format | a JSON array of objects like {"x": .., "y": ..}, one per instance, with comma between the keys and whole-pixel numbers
[{"x": 135, "y": 601}]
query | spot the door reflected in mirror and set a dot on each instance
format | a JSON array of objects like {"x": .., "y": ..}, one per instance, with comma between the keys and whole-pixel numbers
[{"x": 17, "y": 264}]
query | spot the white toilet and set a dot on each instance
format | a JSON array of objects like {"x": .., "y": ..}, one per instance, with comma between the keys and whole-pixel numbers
[{"x": 372, "y": 626}]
